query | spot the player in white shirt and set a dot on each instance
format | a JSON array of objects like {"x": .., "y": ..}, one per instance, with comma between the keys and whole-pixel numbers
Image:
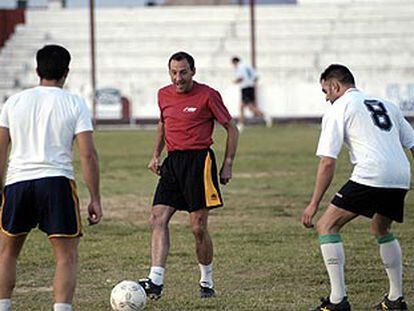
[
  {"x": 246, "y": 77},
  {"x": 375, "y": 133},
  {"x": 41, "y": 125}
]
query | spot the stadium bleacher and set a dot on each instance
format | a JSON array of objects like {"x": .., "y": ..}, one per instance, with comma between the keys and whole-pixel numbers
[{"x": 294, "y": 43}]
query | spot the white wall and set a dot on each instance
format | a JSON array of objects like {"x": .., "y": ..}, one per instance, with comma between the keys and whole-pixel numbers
[
  {"x": 8, "y": 4},
  {"x": 294, "y": 44}
]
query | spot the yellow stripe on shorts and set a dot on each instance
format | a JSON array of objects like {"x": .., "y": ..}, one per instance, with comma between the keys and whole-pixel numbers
[
  {"x": 77, "y": 212},
  {"x": 3, "y": 200},
  {"x": 211, "y": 193}
]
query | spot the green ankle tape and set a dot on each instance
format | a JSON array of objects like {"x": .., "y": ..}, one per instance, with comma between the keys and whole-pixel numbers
[
  {"x": 386, "y": 238},
  {"x": 329, "y": 238}
]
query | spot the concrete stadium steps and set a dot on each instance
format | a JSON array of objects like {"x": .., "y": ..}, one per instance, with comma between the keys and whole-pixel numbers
[
  {"x": 294, "y": 43},
  {"x": 158, "y": 77},
  {"x": 268, "y": 52},
  {"x": 272, "y": 61},
  {"x": 121, "y": 33},
  {"x": 223, "y": 13},
  {"x": 216, "y": 34},
  {"x": 270, "y": 16}
]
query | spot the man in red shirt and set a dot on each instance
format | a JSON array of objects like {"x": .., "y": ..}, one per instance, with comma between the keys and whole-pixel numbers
[{"x": 188, "y": 176}]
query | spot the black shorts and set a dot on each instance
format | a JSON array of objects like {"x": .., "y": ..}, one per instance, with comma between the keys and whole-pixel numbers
[
  {"x": 248, "y": 95},
  {"x": 367, "y": 201},
  {"x": 188, "y": 181},
  {"x": 50, "y": 203}
]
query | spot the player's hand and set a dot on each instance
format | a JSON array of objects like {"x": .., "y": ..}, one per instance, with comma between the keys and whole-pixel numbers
[
  {"x": 94, "y": 212},
  {"x": 225, "y": 173},
  {"x": 154, "y": 165},
  {"x": 308, "y": 214}
]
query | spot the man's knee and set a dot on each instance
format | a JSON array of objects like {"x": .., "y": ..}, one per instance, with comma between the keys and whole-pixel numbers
[
  {"x": 158, "y": 219},
  {"x": 10, "y": 247},
  {"x": 69, "y": 258},
  {"x": 322, "y": 227},
  {"x": 199, "y": 228},
  {"x": 326, "y": 225},
  {"x": 155, "y": 221},
  {"x": 66, "y": 251},
  {"x": 333, "y": 220}
]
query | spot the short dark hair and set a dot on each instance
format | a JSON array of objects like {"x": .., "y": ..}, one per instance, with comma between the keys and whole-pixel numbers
[
  {"x": 339, "y": 72},
  {"x": 235, "y": 59},
  {"x": 52, "y": 62},
  {"x": 179, "y": 56}
]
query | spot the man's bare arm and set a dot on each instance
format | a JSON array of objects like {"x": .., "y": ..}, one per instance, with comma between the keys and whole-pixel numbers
[
  {"x": 238, "y": 80},
  {"x": 231, "y": 147},
  {"x": 4, "y": 148},
  {"x": 324, "y": 176},
  {"x": 90, "y": 169},
  {"x": 159, "y": 144}
]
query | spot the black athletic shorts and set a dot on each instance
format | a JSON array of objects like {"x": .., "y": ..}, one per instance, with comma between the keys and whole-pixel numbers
[
  {"x": 367, "y": 201},
  {"x": 50, "y": 203},
  {"x": 188, "y": 181},
  {"x": 248, "y": 95}
]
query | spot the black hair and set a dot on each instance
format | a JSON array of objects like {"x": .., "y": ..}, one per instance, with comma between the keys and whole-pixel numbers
[
  {"x": 235, "y": 59},
  {"x": 339, "y": 72},
  {"x": 52, "y": 62},
  {"x": 181, "y": 56}
]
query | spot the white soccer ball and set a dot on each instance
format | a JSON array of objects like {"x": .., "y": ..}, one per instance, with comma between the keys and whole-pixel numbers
[{"x": 128, "y": 296}]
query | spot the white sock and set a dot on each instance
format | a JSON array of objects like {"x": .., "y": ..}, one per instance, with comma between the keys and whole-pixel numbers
[
  {"x": 60, "y": 306},
  {"x": 334, "y": 257},
  {"x": 157, "y": 275},
  {"x": 390, "y": 252},
  {"x": 206, "y": 279},
  {"x": 5, "y": 304}
]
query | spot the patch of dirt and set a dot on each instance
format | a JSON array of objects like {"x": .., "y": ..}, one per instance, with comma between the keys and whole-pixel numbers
[
  {"x": 129, "y": 207},
  {"x": 40, "y": 289},
  {"x": 264, "y": 174},
  {"x": 121, "y": 207}
]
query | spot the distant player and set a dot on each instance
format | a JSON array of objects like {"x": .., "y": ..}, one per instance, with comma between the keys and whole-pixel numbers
[
  {"x": 246, "y": 77},
  {"x": 188, "y": 176},
  {"x": 375, "y": 134},
  {"x": 41, "y": 124}
]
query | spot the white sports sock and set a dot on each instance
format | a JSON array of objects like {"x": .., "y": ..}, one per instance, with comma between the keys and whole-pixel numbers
[
  {"x": 157, "y": 275},
  {"x": 206, "y": 279},
  {"x": 60, "y": 306},
  {"x": 390, "y": 252},
  {"x": 240, "y": 127},
  {"x": 334, "y": 257},
  {"x": 5, "y": 304}
]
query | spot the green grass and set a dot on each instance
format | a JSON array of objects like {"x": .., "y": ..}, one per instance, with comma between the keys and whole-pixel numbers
[{"x": 264, "y": 258}]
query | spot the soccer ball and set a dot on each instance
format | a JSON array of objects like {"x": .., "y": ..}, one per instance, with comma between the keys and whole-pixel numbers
[{"x": 128, "y": 296}]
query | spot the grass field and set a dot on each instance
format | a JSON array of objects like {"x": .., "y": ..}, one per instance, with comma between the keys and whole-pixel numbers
[{"x": 264, "y": 258}]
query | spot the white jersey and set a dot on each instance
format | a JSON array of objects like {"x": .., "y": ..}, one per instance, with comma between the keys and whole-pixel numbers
[
  {"x": 375, "y": 133},
  {"x": 42, "y": 123},
  {"x": 247, "y": 74}
]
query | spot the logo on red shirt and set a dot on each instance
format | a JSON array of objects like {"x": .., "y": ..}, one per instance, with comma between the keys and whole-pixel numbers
[{"x": 189, "y": 109}]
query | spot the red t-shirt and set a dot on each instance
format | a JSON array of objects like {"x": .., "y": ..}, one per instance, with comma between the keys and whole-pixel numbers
[{"x": 189, "y": 117}]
